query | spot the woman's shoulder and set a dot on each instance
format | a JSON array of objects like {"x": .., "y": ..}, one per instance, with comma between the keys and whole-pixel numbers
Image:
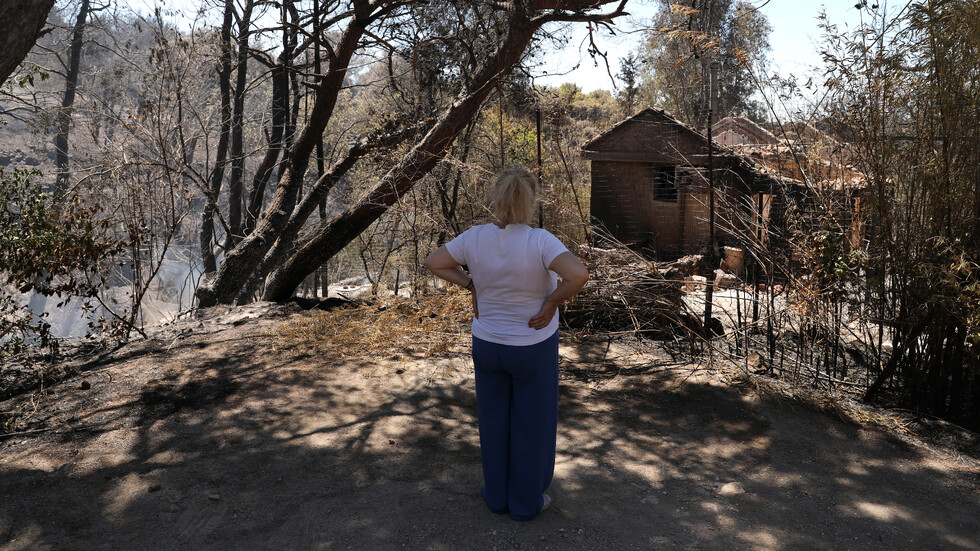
[
  {"x": 543, "y": 234},
  {"x": 481, "y": 227},
  {"x": 473, "y": 229}
]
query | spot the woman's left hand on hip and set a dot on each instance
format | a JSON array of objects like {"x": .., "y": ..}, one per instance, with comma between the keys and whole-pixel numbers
[{"x": 543, "y": 318}]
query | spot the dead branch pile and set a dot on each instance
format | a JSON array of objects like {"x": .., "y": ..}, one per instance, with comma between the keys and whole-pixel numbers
[{"x": 626, "y": 293}]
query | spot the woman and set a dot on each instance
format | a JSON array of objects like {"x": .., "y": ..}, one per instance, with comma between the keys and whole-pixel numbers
[{"x": 515, "y": 293}]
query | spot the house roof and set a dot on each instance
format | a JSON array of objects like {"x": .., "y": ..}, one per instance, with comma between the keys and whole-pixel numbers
[
  {"x": 754, "y": 133},
  {"x": 654, "y": 136},
  {"x": 802, "y": 131}
]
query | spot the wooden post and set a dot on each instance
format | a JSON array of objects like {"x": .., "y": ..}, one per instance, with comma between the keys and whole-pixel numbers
[
  {"x": 537, "y": 122},
  {"x": 500, "y": 124},
  {"x": 711, "y": 260}
]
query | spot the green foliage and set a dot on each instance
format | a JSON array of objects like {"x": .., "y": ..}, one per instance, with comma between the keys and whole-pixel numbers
[
  {"x": 629, "y": 75},
  {"x": 27, "y": 79},
  {"x": 834, "y": 263},
  {"x": 49, "y": 245},
  {"x": 682, "y": 44}
]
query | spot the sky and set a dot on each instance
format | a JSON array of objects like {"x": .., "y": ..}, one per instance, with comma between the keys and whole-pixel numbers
[{"x": 795, "y": 40}]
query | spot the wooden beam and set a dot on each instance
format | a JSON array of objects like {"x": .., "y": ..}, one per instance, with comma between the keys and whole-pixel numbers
[{"x": 658, "y": 158}]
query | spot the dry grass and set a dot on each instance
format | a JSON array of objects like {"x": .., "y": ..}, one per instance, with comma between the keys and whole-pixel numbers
[{"x": 426, "y": 326}]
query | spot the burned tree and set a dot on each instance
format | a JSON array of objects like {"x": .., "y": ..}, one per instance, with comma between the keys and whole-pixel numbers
[
  {"x": 22, "y": 24},
  {"x": 514, "y": 24}
]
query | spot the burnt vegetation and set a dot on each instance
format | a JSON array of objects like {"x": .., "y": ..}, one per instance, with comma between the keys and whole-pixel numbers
[{"x": 321, "y": 148}]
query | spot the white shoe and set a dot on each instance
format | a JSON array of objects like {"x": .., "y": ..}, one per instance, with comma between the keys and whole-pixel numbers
[{"x": 546, "y": 503}]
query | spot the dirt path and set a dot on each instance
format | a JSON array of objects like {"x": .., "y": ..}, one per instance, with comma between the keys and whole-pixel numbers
[{"x": 216, "y": 440}]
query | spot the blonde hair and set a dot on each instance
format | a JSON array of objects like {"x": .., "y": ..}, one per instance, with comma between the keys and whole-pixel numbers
[{"x": 514, "y": 196}]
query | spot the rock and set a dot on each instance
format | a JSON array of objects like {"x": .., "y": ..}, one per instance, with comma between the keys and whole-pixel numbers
[
  {"x": 85, "y": 385},
  {"x": 155, "y": 488},
  {"x": 239, "y": 318},
  {"x": 724, "y": 280},
  {"x": 695, "y": 283},
  {"x": 688, "y": 265},
  {"x": 731, "y": 489}
]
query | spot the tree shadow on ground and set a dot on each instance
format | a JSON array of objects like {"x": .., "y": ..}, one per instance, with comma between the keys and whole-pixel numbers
[{"x": 257, "y": 449}]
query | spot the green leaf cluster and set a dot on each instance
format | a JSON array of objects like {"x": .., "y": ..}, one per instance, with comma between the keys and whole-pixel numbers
[{"x": 52, "y": 245}]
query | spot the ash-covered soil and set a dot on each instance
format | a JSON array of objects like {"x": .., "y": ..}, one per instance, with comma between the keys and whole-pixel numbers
[{"x": 209, "y": 435}]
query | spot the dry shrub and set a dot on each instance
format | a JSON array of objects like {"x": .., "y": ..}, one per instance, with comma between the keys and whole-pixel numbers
[{"x": 427, "y": 326}]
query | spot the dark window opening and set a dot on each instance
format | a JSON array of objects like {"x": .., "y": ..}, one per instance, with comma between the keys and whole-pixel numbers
[
  {"x": 691, "y": 178},
  {"x": 663, "y": 184}
]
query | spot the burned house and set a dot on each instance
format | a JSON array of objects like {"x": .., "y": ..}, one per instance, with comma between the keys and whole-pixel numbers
[
  {"x": 800, "y": 151},
  {"x": 651, "y": 179},
  {"x": 829, "y": 190},
  {"x": 740, "y": 131}
]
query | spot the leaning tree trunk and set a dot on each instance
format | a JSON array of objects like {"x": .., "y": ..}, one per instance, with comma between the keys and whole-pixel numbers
[
  {"x": 342, "y": 229},
  {"x": 21, "y": 22},
  {"x": 316, "y": 197},
  {"x": 240, "y": 262}
]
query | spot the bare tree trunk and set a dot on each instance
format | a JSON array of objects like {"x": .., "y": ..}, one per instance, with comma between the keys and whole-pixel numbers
[
  {"x": 38, "y": 301},
  {"x": 22, "y": 24},
  {"x": 218, "y": 174},
  {"x": 68, "y": 100},
  {"x": 290, "y": 109},
  {"x": 317, "y": 67},
  {"x": 235, "y": 192},
  {"x": 244, "y": 258},
  {"x": 280, "y": 83}
]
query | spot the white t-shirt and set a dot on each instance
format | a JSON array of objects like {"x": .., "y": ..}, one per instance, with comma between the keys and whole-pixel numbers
[{"x": 510, "y": 271}]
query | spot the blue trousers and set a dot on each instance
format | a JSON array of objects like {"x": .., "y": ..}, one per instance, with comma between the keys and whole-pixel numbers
[{"x": 517, "y": 407}]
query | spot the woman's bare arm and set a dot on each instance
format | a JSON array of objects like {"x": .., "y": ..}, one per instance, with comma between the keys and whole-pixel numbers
[
  {"x": 573, "y": 276},
  {"x": 444, "y": 266}
]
